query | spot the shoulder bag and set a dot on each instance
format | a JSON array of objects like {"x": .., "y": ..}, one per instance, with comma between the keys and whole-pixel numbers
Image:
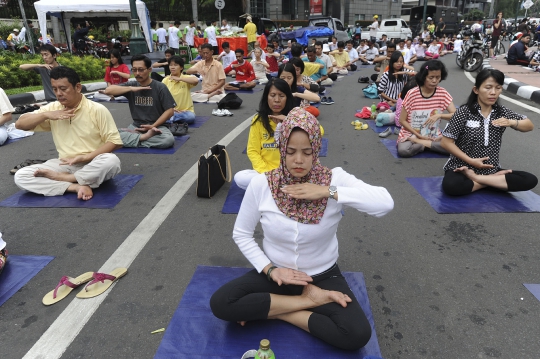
[{"x": 214, "y": 170}]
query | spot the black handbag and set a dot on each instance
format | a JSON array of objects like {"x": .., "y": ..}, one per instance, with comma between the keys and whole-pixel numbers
[
  {"x": 214, "y": 170},
  {"x": 179, "y": 128},
  {"x": 231, "y": 100}
]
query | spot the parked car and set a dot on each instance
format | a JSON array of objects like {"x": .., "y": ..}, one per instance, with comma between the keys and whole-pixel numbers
[
  {"x": 393, "y": 28},
  {"x": 334, "y": 26}
]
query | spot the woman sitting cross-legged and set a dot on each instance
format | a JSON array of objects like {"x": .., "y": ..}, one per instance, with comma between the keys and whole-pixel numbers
[
  {"x": 473, "y": 138},
  {"x": 421, "y": 111},
  {"x": 296, "y": 278}
]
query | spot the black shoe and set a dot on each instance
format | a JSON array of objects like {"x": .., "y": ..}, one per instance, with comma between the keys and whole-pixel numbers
[
  {"x": 323, "y": 100},
  {"x": 329, "y": 101}
]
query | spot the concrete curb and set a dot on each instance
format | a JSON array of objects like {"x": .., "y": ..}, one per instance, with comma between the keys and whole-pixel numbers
[
  {"x": 39, "y": 96},
  {"x": 516, "y": 87}
]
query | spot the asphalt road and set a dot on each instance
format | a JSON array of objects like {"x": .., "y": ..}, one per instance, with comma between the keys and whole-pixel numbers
[{"x": 440, "y": 285}]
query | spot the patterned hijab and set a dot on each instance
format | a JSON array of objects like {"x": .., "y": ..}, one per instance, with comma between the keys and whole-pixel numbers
[{"x": 303, "y": 211}]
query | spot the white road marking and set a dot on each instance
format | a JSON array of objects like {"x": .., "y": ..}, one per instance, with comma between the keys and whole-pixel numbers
[
  {"x": 515, "y": 102},
  {"x": 56, "y": 339}
]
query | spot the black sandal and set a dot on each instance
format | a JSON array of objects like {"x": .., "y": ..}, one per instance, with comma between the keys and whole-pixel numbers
[{"x": 25, "y": 164}]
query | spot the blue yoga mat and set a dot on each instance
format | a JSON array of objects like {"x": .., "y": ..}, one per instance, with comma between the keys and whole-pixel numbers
[
  {"x": 194, "y": 332},
  {"x": 199, "y": 121},
  {"x": 18, "y": 271},
  {"x": 108, "y": 195},
  {"x": 233, "y": 200},
  {"x": 391, "y": 146},
  {"x": 322, "y": 153},
  {"x": 376, "y": 129},
  {"x": 178, "y": 142},
  {"x": 533, "y": 288},
  {"x": 482, "y": 201}
]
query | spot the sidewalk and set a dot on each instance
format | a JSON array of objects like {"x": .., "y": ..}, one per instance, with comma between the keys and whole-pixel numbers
[
  {"x": 39, "y": 96},
  {"x": 518, "y": 80}
]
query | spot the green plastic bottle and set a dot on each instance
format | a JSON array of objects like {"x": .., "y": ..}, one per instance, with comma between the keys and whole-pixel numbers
[
  {"x": 264, "y": 351},
  {"x": 373, "y": 107}
]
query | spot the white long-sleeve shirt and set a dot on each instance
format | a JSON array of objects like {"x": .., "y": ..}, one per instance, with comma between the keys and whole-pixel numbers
[{"x": 311, "y": 248}]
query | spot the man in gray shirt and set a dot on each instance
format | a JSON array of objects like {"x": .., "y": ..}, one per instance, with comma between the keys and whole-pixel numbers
[
  {"x": 151, "y": 105},
  {"x": 48, "y": 54}
]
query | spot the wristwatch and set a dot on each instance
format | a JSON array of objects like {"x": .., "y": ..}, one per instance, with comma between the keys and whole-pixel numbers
[{"x": 332, "y": 190}]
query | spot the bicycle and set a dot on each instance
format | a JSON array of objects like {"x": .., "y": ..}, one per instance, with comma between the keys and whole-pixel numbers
[{"x": 499, "y": 49}]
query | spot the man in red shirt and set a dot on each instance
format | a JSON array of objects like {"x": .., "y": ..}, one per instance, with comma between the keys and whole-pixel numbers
[{"x": 245, "y": 75}]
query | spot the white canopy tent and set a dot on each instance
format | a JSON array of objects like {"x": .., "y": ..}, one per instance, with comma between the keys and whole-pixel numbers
[{"x": 66, "y": 10}]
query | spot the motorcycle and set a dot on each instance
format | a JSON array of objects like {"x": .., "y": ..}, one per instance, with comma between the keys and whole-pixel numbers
[
  {"x": 472, "y": 55},
  {"x": 117, "y": 44}
]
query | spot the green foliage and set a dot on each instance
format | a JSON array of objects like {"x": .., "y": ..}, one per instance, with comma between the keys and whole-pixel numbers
[
  {"x": 88, "y": 68},
  {"x": 6, "y": 28},
  {"x": 474, "y": 14}
]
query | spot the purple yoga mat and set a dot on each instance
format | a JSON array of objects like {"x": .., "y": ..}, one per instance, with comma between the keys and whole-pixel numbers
[
  {"x": 482, "y": 201},
  {"x": 18, "y": 271},
  {"x": 373, "y": 126},
  {"x": 178, "y": 142},
  {"x": 534, "y": 289},
  {"x": 108, "y": 195},
  {"x": 390, "y": 144},
  {"x": 194, "y": 332},
  {"x": 234, "y": 199}
]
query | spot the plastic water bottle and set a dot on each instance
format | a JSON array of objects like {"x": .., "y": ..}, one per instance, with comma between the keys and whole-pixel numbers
[
  {"x": 264, "y": 351},
  {"x": 373, "y": 110}
]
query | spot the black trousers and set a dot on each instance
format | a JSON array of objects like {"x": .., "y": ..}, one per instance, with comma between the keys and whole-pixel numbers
[
  {"x": 333, "y": 76},
  {"x": 248, "y": 298},
  {"x": 457, "y": 184}
]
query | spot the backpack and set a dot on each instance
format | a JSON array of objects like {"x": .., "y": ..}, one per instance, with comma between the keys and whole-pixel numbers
[
  {"x": 231, "y": 100},
  {"x": 371, "y": 91}
]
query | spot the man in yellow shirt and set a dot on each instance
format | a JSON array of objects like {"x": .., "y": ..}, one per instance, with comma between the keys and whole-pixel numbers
[
  {"x": 180, "y": 87},
  {"x": 84, "y": 134},
  {"x": 251, "y": 30},
  {"x": 342, "y": 58}
]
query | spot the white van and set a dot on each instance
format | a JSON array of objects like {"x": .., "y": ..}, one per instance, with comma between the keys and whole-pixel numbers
[{"x": 392, "y": 28}]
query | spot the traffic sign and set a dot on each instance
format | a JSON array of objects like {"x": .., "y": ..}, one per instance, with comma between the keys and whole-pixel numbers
[{"x": 220, "y": 4}]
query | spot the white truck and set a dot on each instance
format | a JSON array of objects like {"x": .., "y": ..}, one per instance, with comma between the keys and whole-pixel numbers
[{"x": 392, "y": 28}]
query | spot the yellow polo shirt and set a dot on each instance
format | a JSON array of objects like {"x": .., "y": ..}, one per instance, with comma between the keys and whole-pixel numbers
[
  {"x": 311, "y": 68},
  {"x": 180, "y": 91},
  {"x": 251, "y": 30},
  {"x": 341, "y": 58},
  {"x": 90, "y": 128}
]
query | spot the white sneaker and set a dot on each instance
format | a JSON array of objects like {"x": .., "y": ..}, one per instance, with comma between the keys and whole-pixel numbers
[
  {"x": 226, "y": 112},
  {"x": 218, "y": 112}
]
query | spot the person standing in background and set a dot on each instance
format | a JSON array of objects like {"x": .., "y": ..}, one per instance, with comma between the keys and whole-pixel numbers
[
  {"x": 174, "y": 40},
  {"x": 373, "y": 29}
]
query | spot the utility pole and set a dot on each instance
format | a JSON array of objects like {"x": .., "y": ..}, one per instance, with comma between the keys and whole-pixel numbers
[
  {"x": 491, "y": 8},
  {"x": 137, "y": 44},
  {"x": 28, "y": 29}
]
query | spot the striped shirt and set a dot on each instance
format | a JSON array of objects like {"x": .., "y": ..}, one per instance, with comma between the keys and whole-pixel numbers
[
  {"x": 420, "y": 108},
  {"x": 392, "y": 89}
]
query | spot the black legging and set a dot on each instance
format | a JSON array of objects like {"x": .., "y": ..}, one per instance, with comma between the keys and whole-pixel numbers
[
  {"x": 248, "y": 298},
  {"x": 457, "y": 184}
]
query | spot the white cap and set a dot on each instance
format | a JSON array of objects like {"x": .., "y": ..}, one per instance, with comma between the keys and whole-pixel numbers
[
  {"x": 325, "y": 48},
  {"x": 15, "y": 30},
  {"x": 459, "y": 36},
  {"x": 248, "y": 18},
  {"x": 429, "y": 18}
]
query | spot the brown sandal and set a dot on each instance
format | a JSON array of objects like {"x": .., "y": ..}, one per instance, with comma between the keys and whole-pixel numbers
[{"x": 25, "y": 164}]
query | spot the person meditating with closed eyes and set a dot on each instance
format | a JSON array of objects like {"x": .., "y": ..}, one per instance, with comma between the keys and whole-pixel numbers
[{"x": 296, "y": 277}]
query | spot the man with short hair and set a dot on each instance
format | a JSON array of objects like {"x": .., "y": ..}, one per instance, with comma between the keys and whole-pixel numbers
[
  {"x": 180, "y": 87},
  {"x": 174, "y": 39},
  {"x": 79, "y": 36},
  {"x": 188, "y": 36},
  {"x": 162, "y": 63},
  {"x": 382, "y": 62},
  {"x": 210, "y": 34},
  {"x": 409, "y": 53},
  {"x": 224, "y": 26},
  {"x": 327, "y": 62},
  {"x": 370, "y": 55},
  {"x": 22, "y": 34},
  {"x": 48, "y": 54},
  {"x": 162, "y": 37},
  {"x": 251, "y": 30},
  {"x": 353, "y": 56},
  {"x": 227, "y": 56},
  {"x": 310, "y": 68},
  {"x": 320, "y": 75},
  {"x": 213, "y": 83},
  {"x": 151, "y": 105},
  {"x": 342, "y": 58},
  {"x": 84, "y": 134},
  {"x": 440, "y": 28},
  {"x": 245, "y": 75},
  {"x": 516, "y": 53}
]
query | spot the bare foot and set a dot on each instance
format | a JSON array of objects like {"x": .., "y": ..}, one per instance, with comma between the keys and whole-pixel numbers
[
  {"x": 85, "y": 193},
  {"x": 467, "y": 172},
  {"x": 503, "y": 172},
  {"x": 43, "y": 172},
  {"x": 150, "y": 133},
  {"x": 321, "y": 296}
]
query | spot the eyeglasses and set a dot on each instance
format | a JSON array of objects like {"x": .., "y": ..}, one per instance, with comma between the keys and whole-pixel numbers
[{"x": 134, "y": 70}]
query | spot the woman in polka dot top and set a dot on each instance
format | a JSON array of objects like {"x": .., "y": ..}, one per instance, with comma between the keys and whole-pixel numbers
[{"x": 473, "y": 138}]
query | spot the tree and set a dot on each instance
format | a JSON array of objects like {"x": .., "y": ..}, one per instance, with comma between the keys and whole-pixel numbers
[{"x": 474, "y": 14}]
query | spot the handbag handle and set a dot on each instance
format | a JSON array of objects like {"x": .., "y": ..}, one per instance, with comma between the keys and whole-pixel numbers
[{"x": 229, "y": 175}]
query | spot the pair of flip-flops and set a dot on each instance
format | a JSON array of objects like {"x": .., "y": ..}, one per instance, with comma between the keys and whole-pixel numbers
[
  {"x": 98, "y": 283},
  {"x": 25, "y": 164}
]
